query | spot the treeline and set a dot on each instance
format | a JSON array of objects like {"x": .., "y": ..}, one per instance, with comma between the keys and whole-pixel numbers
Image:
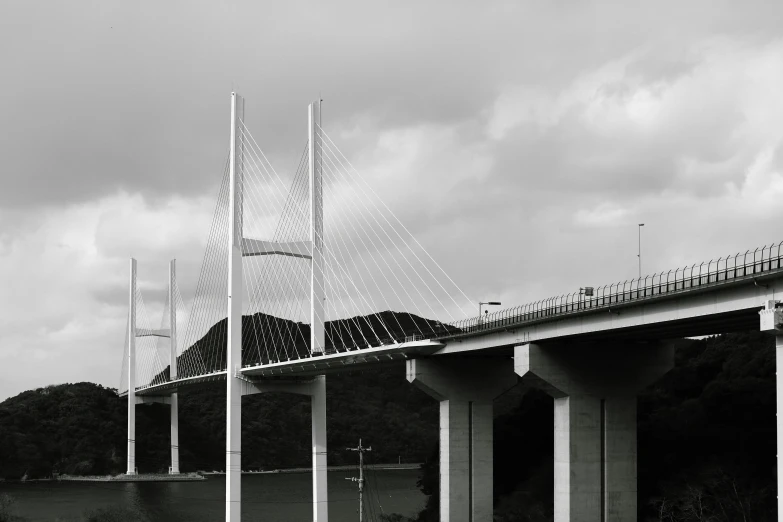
[{"x": 81, "y": 428}]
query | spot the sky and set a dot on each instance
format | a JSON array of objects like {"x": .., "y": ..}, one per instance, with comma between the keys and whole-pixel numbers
[{"x": 521, "y": 143}]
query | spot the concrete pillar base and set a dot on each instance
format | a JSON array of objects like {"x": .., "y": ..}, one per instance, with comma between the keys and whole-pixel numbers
[
  {"x": 779, "y": 386},
  {"x": 465, "y": 388},
  {"x": 595, "y": 422},
  {"x": 174, "y": 469}
]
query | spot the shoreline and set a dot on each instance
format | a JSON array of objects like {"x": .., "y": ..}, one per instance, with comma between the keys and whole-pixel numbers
[
  {"x": 202, "y": 475},
  {"x": 369, "y": 467}
]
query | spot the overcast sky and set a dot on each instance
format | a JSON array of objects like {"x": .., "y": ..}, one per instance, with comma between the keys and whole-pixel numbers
[{"x": 527, "y": 141}]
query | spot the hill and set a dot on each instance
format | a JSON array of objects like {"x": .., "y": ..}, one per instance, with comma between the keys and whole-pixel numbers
[
  {"x": 265, "y": 335},
  {"x": 81, "y": 428}
]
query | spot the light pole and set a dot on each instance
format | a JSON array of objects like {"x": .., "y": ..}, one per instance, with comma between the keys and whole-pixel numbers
[
  {"x": 489, "y": 303},
  {"x": 639, "y": 255}
]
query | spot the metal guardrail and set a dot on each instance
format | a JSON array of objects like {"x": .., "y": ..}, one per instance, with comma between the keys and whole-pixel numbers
[{"x": 757, "y": 262}]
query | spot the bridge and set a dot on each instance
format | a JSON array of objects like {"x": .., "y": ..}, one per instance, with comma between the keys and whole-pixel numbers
[{"x": 316, "y": 276}]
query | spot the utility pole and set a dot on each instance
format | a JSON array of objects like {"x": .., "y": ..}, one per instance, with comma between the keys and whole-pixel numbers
[
  {"x": 639, "y": 255},
  {"x": 360, "y": 480}
]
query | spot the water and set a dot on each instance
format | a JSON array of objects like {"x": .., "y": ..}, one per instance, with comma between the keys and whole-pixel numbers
[{"x": 283, "y": 497}]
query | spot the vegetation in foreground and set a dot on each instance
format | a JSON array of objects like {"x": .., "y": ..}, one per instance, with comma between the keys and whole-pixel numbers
[
  {"x": 707, "y": 435},
  {"x": 80, "y": 429}
]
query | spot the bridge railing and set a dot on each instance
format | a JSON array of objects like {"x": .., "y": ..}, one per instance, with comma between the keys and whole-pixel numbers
[
  {"x": 742, "y": 265},
  {"x": 714, "y": 272}
]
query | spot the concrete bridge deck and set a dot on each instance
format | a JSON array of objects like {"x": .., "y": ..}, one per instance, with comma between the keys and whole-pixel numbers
[{"x": 708, "y": 305}]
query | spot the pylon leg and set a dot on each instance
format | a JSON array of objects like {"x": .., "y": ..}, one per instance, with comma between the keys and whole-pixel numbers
[
  {"x": 174, "y": 435},
  {"x": 318, "y": 409}
]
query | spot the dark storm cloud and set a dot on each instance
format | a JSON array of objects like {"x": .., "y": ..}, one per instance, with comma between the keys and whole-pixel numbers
[{"x": 107, "y": 95}]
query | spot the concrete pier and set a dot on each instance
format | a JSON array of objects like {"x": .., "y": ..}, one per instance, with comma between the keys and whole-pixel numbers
[
  {"x": 174, "y": 468},
  {"x": 595, "y": 389},
  {"x": 315, "y": 388},
  {"x": 779, "y": 394},
  {"x": 771, "y": 321},
  {"x": 465, "y": 388}
]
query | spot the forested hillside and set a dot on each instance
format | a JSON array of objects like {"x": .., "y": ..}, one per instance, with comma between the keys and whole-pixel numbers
[{"x": 81, "y": 428}]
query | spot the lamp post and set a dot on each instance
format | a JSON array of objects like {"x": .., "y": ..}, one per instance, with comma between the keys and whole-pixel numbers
[
  {"x": 489, "y": 303},
  {"x": 639, "y": 255}
]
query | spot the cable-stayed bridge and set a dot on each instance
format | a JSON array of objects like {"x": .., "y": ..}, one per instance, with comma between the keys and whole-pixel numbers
[{"x": 313, "y": 274}]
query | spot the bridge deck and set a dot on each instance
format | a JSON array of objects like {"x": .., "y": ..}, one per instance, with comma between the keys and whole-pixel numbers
[
  {"x": 715, "y": 302},
  {"x": 330, "y": 363}
]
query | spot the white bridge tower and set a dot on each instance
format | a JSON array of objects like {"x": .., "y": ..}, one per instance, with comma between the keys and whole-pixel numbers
[
  {"x": 133, "y": 400},
  {"x": 239, "y": 246}
]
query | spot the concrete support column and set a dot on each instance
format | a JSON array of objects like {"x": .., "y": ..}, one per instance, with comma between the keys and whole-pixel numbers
[
  {"x": 594, "y": 388},
  {"x": 174, "y": 435},
  {"x": 577, "y": 457},
  {"x": 771, "y": 321},
  {"x": 465, "y": 388},
  {"x": 779, "y": 385},
  {"x": 318, "y": 410},
  {"x": 316, "y": 389}
]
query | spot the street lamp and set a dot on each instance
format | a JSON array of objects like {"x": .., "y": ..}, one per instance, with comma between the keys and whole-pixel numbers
[
  {"x": 639, "y": 255},
  {"x": 489, "y": 303}
]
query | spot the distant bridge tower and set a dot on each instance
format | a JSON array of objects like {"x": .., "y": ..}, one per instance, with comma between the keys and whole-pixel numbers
[
  {"x": 133, "y": 400},
  {"x": 131, "y": 470}
]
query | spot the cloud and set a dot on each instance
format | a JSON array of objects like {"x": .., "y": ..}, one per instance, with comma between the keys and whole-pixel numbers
[
  {"x": 64, "y": 281},
  {"x": 521, "y": 143}
]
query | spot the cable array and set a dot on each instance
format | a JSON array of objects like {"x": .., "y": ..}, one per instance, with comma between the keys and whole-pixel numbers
[
  {"x": 124, "y": 371},
  {"x": 202, "y": 348},
  {"x": 277, "y": 307},
  {"x": 151, "y": 364},
  {"x": 380, "y": 285}
]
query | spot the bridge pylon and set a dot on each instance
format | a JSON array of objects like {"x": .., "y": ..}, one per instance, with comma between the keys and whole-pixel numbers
[
  {"x": 239, "y": 246},
  {"x": 131, "y": 460},
  {"x": 172, "y": 400},
  {"x": 234, "y": 334}
]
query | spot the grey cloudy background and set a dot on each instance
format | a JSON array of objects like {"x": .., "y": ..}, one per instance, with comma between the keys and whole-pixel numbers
[{"x": 521, "y": 142}]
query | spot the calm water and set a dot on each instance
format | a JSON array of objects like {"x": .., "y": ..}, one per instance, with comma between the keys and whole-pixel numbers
[{"x": 268, "y": 498}]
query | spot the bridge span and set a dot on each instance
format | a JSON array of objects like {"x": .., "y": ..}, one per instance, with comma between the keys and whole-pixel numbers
[
  {"x": 592, "y": 350},
  {"x": 719, "y": 301}
]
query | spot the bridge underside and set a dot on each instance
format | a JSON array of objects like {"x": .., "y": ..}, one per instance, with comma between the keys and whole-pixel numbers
[
  {"x": 728, "y": 307},
  {"x": 734, "y": 321},
  {"x": 727, "y": 322}
]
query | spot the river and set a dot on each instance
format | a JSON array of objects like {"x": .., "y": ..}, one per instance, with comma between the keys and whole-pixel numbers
[{"x": 279, "y": 497}]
